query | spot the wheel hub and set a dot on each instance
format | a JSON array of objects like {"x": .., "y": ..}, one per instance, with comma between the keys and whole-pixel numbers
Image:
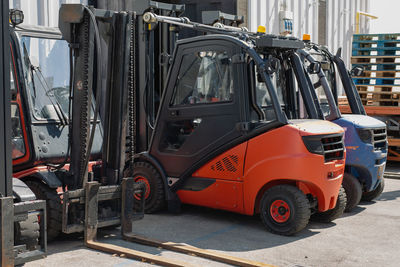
[
  {"x": 280, "y": 211},
  {"x": 141, "y": 179}
]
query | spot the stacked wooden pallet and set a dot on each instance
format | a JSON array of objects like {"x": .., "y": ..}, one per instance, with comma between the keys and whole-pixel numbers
[
  {"x": 379, "y": 55},
  {"x": 379, "y": 85}
]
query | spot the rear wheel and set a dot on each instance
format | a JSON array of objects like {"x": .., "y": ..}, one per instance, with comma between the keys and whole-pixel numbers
[
  {"x": 144, "y": 172},
  {"x": 284, "y": 210},
  {"x": 353, "y": 190},
  {"x": 53, "y": 207},
  {"x": 27, "y": 232},
  {"x": 369, "y": 196},
  {"x": 334, "y": 213}
]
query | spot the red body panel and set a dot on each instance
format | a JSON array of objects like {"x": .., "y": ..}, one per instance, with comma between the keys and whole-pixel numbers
[
  {"x": 275, "y": 157},
  {"x": 227, "y": 191},
  {"x": 27, "y": 155}
]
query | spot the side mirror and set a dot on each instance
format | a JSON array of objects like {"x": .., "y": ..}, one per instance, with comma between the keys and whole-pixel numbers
[
  {"x": 357, "y": 71},
  {"x": 314, "y": 68}
]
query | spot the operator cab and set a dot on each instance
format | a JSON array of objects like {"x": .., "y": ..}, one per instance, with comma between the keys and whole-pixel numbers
[
  {"x": 40, "y": 67},
  {"x": 205, "y": 107},
  {"x": 223, "y": 91}
]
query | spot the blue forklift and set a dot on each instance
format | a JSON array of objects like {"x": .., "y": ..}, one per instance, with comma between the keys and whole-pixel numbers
[{"x": 365, "y": 136}]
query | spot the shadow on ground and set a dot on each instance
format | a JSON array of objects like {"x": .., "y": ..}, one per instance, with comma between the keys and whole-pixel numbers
[
  {"x": 201, "y": 227},
  {"x": 212, "y": 229}
]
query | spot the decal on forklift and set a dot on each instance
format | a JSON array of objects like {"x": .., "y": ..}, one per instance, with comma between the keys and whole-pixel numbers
[{"x": 352, "y": 147}]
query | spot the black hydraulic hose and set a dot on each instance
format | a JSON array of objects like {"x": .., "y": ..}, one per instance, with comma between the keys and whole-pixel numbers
[{"x": 98, "y": 85}]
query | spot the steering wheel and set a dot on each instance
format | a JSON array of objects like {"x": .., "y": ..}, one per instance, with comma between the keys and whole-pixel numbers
[{"x": 61, "y": 91}]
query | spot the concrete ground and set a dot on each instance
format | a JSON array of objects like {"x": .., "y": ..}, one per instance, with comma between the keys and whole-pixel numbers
[{"x": 368, "y": 236}]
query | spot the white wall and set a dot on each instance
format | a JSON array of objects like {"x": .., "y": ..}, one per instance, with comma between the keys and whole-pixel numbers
[
  {"x": 388, "y": 18},
  {"x": 41, "y": 12},
  {"x": 340, "y": 19}
]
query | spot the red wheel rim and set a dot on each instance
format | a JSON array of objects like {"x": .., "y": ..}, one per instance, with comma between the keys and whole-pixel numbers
[
  {"x": 146, "y": 182},
  {"x": 280, "y": 211}
]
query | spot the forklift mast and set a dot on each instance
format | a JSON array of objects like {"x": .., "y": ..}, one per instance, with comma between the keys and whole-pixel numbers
[
  {"x": 5, "y": 122},
  {"x": 89, "y": 38},
  {"x": 6, "y": 200},
  {"x": 126, "y": 98},
  {"x": 154, "y": 47}
]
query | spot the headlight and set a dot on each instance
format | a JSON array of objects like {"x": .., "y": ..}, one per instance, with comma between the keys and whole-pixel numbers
[
  {"x": 313, "y": 144},
  {"x": 16, "y": 16},
  {"x": 365, "y": 135}
]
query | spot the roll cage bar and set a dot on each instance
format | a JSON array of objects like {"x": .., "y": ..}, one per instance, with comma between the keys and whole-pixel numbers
[
  {"x": 349, "y": 87},
  {"x": 334, "y": 111},
  {"x": 252, "y": 43}
]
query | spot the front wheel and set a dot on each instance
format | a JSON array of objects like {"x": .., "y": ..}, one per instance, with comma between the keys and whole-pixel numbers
[
  {"x": 143, "y": 172},
  {"x": 353, "y": 190},
  {"x": 284, "y": 210},
  {"x": 369, "y": 196},
  {"x": 27, "y": 232},
  {"x": 336, "y": 212},
  {"x": 53, "y": 207}
]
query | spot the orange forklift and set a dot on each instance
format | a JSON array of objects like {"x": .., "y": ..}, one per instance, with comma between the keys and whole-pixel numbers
[{"x": 221, "y": 139}]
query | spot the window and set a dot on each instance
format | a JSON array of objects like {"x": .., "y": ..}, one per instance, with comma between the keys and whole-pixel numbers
[
  {"x": 17, "y": 137},
  {"x": 263, "y": 97},
  {"x": 12, "y": 83},
  {"x": 46, "y": 74},
  {"x": 319, "y": 89},
  {"x": 204, "y": 77}
]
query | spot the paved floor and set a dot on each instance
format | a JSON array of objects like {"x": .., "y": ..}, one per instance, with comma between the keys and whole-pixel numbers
[{"x": 368, "y": 236}]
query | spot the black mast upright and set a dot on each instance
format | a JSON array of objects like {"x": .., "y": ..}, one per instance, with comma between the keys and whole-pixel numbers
[{"x": 6, "y": 201}]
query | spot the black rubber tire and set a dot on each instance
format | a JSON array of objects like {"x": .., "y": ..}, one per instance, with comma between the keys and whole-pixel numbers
[
  {"x": 299, "y": 209},
  {"x": 369, "y": 196},
  {"x": 331, "y": 215},
  {"x": 156, "y": 199},
  {"x": 353, "y": 190},
  {"x": 53, "y": 207},
  {"x": 27, "y": 232}
]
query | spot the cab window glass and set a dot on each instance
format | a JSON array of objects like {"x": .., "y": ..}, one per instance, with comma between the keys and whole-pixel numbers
[
  {"x": 46, "y": 74},
  {"x": 319, "y": 90},
  {"x": 263, "y": 97},
  {"x": 17, "y": 137},
  {"x": 13, "y": 85},
  {"x": 204, "y": 77}
]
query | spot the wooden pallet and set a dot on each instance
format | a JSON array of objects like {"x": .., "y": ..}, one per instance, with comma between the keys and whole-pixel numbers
[
  {"x": 379, "y": 74},
  {"x": 378, "y": 88},
  {"x": 373, "y": 60},
  {"x": 376, "y": 37},
  {"x": 394, "y": 149},
  {"x": 373, "y": 110}
]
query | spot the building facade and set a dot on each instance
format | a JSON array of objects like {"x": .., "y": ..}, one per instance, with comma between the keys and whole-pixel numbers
[{"x": 329, "y": 22}]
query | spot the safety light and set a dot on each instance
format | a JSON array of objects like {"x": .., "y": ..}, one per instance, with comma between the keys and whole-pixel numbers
[
  {"x": 306, "y": 37},
  {"x": 261, "y": 29},
  {"x": 16, "y": 16}
]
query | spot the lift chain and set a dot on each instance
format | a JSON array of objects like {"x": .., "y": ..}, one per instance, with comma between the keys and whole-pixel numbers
[
  {"x": 132, "y": 89},
  {"x": 85, "y": 99}
]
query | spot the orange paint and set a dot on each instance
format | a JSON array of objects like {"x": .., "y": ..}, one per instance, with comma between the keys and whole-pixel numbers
[
  {"x": 276, "y": 157},
  {"x": 18, "y": 101},
  {"x": 352, "y": 147}
]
